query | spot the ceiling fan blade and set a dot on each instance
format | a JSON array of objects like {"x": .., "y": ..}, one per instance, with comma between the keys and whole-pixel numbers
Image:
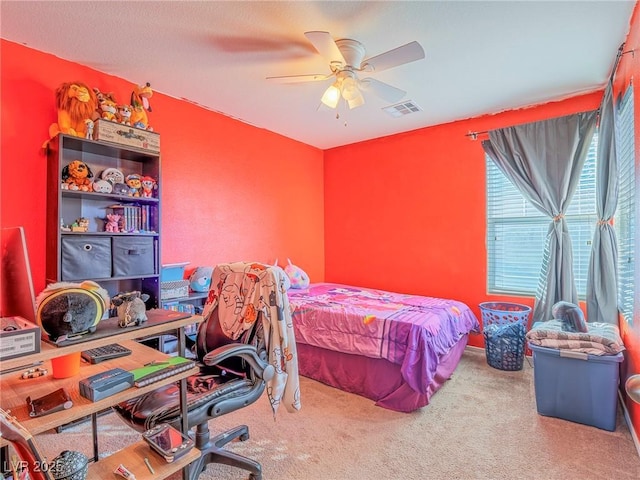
[
  {"x": 382, "y": 90},
  {"x": 326, "y": 46},
  {"x": 398, "y": 56},
  {"x": 314, "y": 77}
]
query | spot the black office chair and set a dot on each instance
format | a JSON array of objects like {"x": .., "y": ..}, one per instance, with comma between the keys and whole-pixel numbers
[{"x": 233, "y": 375}]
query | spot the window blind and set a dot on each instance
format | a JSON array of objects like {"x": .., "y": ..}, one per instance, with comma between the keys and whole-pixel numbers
[
  {"x": 625, "y": 214},
  {"x": 517, "y": 231}
]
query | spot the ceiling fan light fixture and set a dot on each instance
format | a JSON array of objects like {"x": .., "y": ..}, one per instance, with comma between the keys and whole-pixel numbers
[
  {"x": 331, "y": 96},
  {"x": 356, "y": 102},
  {"x": 350, "y": 89}
]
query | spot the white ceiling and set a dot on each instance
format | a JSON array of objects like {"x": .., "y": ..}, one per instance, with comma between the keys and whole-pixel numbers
[{"x": 481, "y": 56}]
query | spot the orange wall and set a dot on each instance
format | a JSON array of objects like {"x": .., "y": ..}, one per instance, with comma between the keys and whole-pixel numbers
[
  {"x": 230, "y": 191},
  {"x": 407, "y": 212}
]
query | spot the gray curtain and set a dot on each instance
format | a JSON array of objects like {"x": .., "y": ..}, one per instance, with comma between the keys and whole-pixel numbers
[
  {"x": 544, "y": 160},
  {"x": 602, "y": 279}
]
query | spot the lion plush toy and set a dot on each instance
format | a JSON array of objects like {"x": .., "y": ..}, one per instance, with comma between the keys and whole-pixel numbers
[
  {"x": 76, "y": 103},
  {"x": 77, "y": 176}
]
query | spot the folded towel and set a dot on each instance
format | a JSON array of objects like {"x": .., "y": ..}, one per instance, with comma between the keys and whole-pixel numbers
[{"x": 600, "y": 338}]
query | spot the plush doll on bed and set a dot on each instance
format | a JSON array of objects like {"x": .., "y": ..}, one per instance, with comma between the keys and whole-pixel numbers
[{"x": 297, "y": 276}]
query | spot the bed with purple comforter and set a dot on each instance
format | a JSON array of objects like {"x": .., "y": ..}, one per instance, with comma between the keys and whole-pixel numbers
[{"x": 396, "y": 349}]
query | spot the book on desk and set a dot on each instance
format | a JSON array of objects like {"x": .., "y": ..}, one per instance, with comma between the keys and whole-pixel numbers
[{"x": 160, "y": 369}]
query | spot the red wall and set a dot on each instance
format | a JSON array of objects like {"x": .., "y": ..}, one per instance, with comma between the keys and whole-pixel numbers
[
  {"x": 628, "y": 68},
  {"x": 414, "y": 206},
  {"x": 405, "y": 213},
  {"x": 230, "y": 191}
]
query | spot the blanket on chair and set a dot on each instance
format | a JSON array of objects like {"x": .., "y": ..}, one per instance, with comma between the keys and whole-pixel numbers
[{"x": 246, "y": 291}]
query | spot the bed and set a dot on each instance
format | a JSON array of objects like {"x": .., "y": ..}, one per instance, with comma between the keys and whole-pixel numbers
[{"x": 395, "y": 349}]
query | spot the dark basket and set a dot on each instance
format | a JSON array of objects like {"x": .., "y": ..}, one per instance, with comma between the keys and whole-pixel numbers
[
  {"x": 504, "y": 346},
  {"x": 504, "y": 329}
]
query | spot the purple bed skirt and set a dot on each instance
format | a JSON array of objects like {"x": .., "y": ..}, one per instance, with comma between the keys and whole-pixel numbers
[{"x": 374, "y": 378}]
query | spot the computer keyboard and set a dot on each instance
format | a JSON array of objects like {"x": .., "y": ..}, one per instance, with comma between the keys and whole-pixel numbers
[{"x": 107, "y": 352}]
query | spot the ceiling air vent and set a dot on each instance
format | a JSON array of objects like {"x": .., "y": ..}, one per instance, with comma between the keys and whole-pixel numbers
[{"x": 401, "y": 109}]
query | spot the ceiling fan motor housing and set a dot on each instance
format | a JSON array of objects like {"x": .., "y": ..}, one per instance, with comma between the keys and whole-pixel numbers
[{"x": 353, "y": 52}]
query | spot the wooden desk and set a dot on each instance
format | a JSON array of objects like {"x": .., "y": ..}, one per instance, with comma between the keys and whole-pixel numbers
[{"x": 14, "y": 389}]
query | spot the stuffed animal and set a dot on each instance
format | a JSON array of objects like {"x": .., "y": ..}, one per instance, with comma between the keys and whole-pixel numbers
[
  {"x": 100, "y": 97},
  {"x": 112, "y": 225},
  {"x": 76, "y": 103},
  {"x": 130, "y": 307},
  {"x": 102, "y": 186},
  {"x": 124, "y": 112},
  {"x": 113, "y": 175},
  {"x": 79, "y": 174},
  {"x": 66, "y": 310},
  {"x": 298, "y": 277},
  {"x": 108, "y": 110},
  {"x": 200, "y": 279},
  {"x": 148, "y": 185},
  {"x": 134, "y": 182},
  {"x": 140, "y": 104},
  {"x": 120, "y": 189}
]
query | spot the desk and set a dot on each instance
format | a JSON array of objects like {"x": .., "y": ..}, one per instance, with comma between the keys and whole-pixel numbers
[{"x": 15, "y": 390}]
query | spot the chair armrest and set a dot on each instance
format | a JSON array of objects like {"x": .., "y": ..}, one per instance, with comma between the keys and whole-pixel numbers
[{"x": 248, "y": 353}]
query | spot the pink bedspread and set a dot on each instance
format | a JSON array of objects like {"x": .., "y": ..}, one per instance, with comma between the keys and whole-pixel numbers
[{"x": 409, "y": 330}]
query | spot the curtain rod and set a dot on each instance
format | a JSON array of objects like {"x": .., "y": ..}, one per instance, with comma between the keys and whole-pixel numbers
[{"x": 474, "y": 135}]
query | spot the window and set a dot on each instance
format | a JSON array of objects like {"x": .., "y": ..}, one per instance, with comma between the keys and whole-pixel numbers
[
  {"x": 516, "y": 231},
  {"x": 625, "y": 214}
]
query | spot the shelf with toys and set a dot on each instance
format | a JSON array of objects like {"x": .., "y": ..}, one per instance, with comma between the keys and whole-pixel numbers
[{"x": 103, "y": 215}]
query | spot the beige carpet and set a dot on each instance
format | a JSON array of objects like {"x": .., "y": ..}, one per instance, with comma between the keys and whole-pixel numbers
[{"x": 482, "y": 424}]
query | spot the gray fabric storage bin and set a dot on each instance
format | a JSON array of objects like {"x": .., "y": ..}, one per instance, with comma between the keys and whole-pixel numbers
[
  {"x": 133, "y": 256},
  {"x": 85, "y": 257}
]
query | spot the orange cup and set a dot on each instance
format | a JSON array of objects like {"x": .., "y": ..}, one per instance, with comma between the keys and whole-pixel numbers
[{"x": 66, "y": 366}]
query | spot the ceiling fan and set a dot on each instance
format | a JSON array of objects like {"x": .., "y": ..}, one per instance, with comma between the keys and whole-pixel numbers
[{"x": 346, "y": 60}]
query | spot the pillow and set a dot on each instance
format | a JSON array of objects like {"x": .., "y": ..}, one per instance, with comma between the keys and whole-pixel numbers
[
  {"x": 297, "y": 276},
  {"x": 571, "y": 316}
]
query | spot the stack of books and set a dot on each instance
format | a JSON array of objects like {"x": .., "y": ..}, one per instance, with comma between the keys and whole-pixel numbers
[{"x": 133, "y": 218}]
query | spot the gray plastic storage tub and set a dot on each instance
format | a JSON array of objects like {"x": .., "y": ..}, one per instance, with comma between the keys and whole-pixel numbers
[{"x": 577, "y": 387}]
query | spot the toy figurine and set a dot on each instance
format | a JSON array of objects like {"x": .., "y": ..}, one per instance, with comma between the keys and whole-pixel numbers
[
  {"x": 80, "y": 225},
  {"x": 124, "y": 112},
  {"x": 131, "y": 308},
  {"x": 140, "y": 104},
  {"x": 112, "y": 225},
  {"x": 148, "y": 185},
  {"x": 134, "y": 182}
]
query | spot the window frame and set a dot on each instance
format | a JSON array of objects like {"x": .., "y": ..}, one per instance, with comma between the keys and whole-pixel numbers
[{"x": 537, "y": 219}]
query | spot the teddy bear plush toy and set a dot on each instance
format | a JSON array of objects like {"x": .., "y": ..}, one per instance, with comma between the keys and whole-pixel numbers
[{"x": 77, "y": 176}]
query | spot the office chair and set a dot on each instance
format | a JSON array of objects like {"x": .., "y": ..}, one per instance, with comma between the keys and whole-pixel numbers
[{"x": 234, "y": 372}]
